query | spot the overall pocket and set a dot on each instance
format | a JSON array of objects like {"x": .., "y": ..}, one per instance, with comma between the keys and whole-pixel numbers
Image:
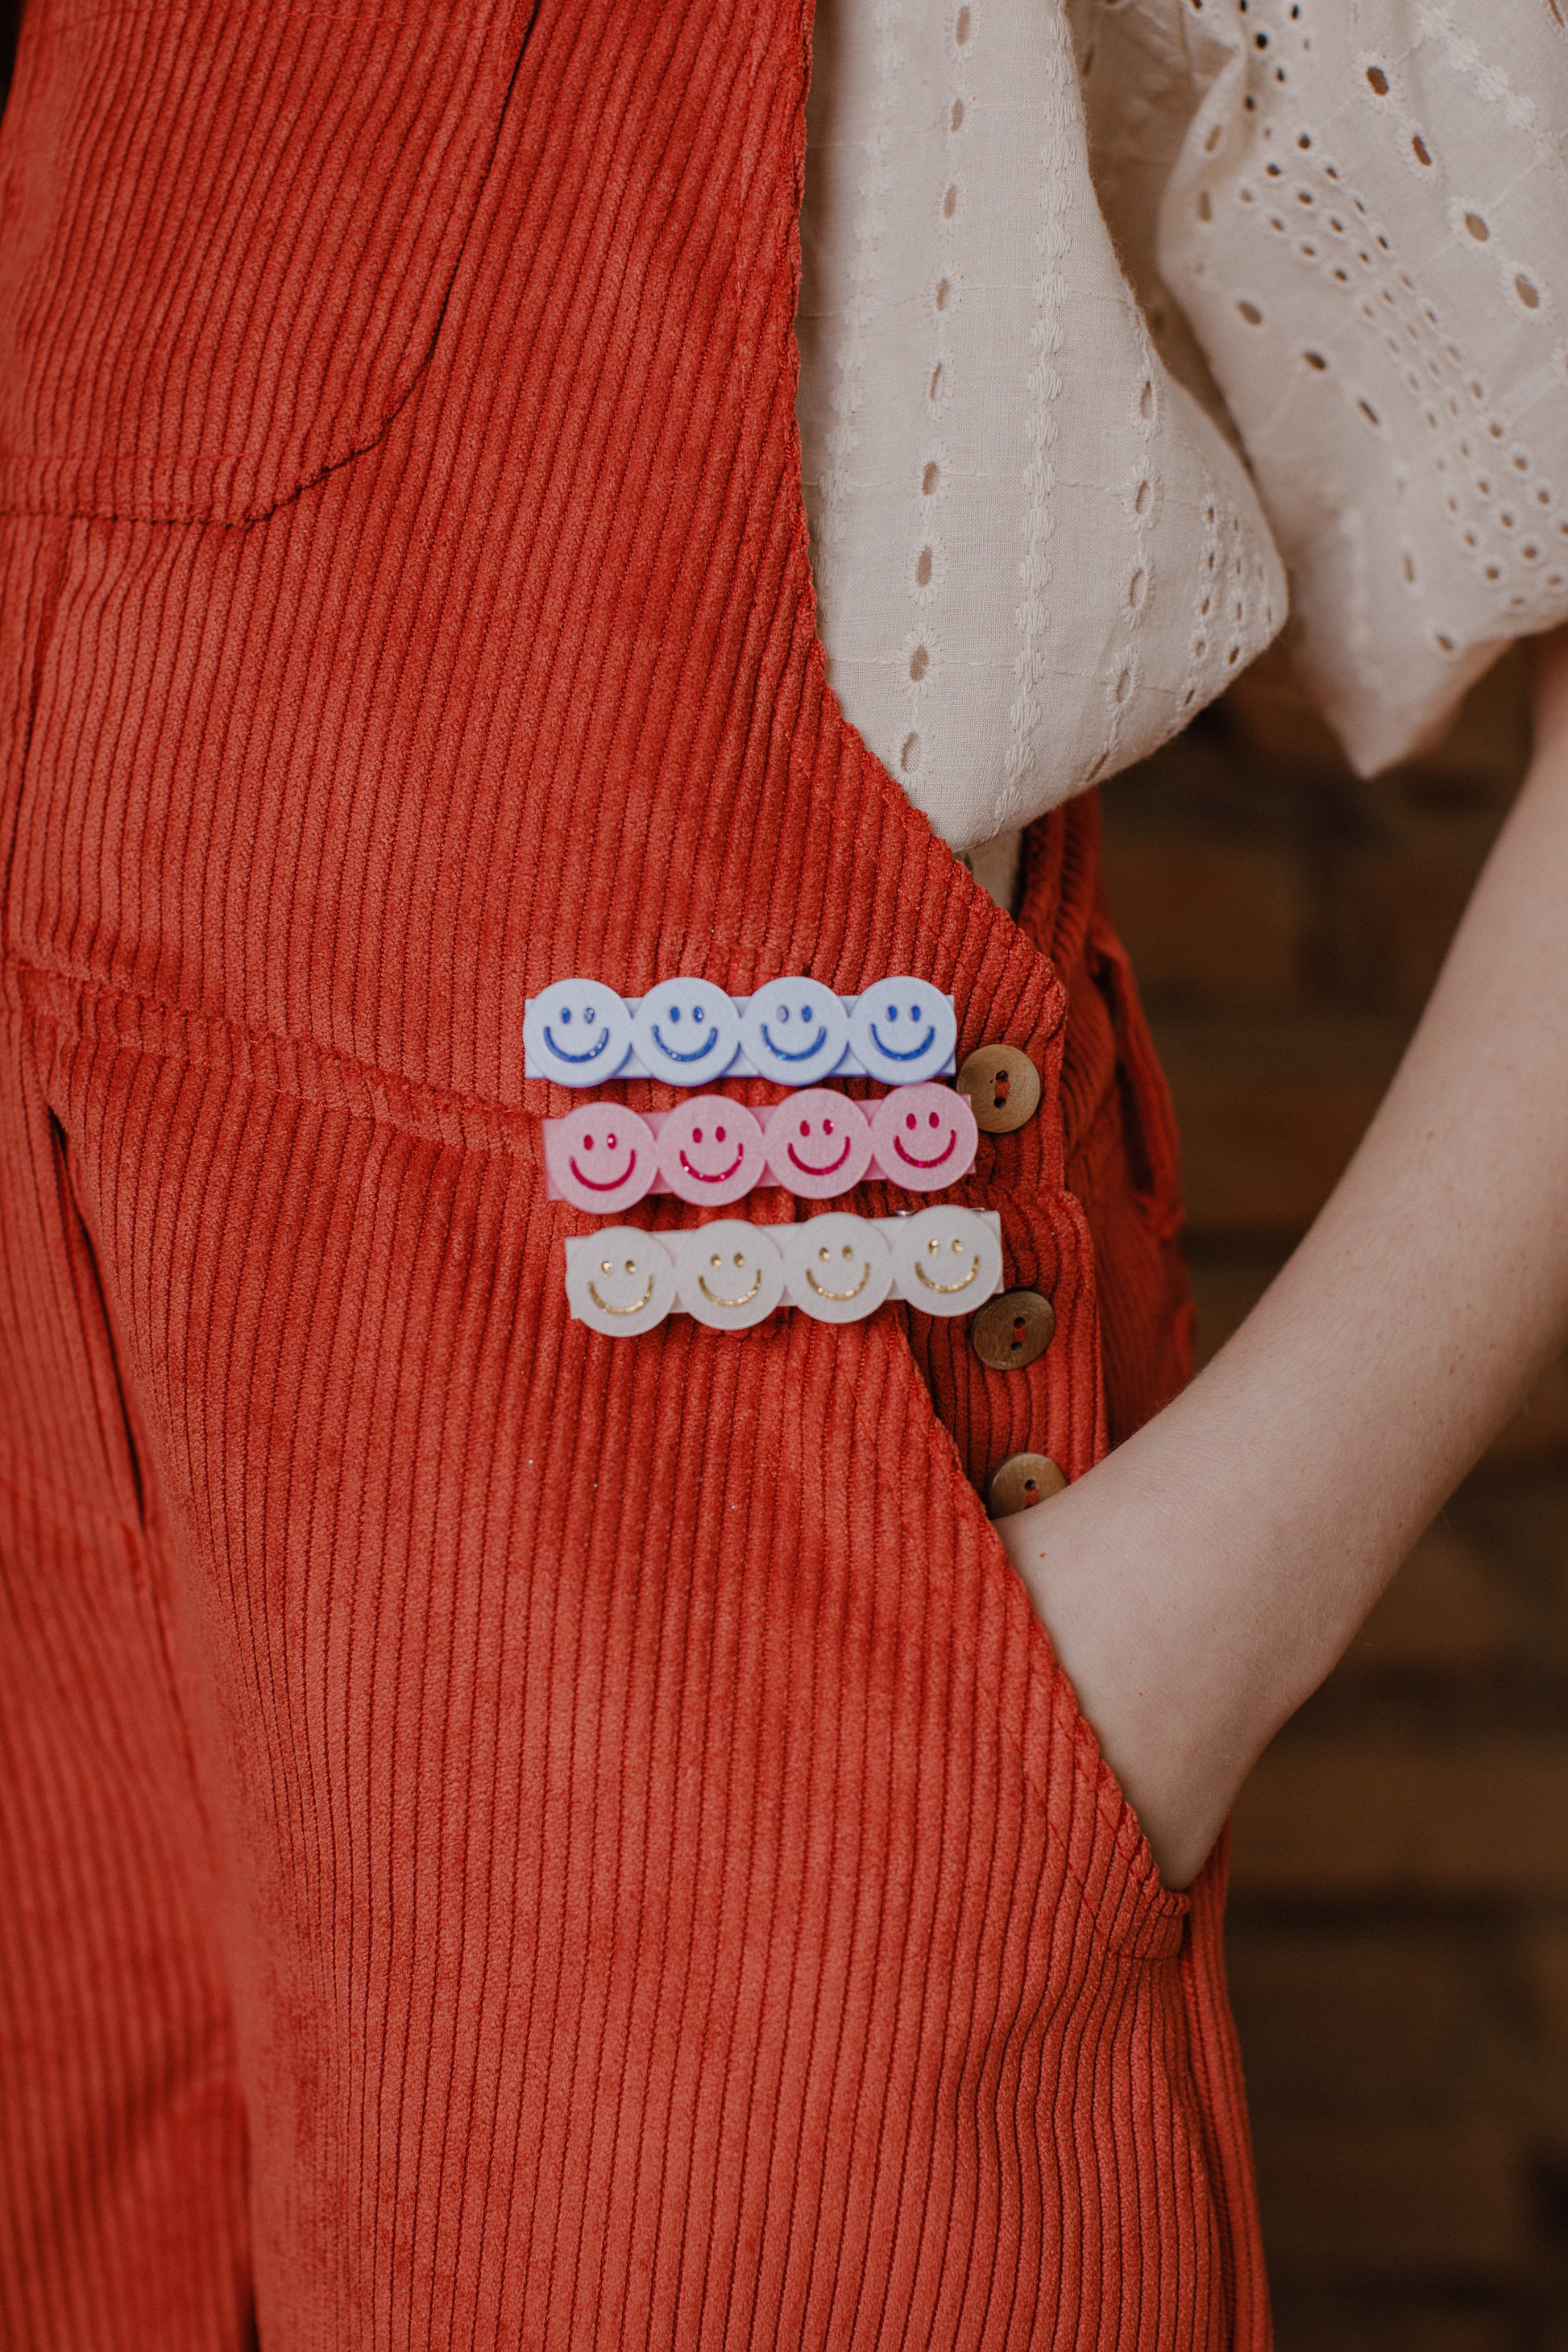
[
  {"x": 228, "y": 231},
  {"x": 1127, "y": 1906}
]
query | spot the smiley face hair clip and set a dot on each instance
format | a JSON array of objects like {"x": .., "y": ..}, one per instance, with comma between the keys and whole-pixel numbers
[
  {"x": 602, "y": 1157},
  {"x": 836, "y": 1268},
  {"x": 689, "y": 1034}
]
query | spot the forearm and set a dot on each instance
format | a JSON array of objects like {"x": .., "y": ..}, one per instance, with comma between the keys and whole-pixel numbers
[{"x": 1201, "y": 1581}]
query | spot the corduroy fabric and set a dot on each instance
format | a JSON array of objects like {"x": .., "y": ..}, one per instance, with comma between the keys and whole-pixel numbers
[{"x": 514, "y": 1838}]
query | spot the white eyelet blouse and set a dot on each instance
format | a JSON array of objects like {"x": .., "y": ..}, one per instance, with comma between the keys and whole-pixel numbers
[{"x": 1119, "y": 315}]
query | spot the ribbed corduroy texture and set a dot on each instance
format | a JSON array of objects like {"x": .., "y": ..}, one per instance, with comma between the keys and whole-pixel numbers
[{"x": 513, "y": 1839}]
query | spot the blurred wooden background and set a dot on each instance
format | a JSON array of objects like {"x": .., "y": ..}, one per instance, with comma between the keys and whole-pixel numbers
[{"x": 1399, "y": 1922}]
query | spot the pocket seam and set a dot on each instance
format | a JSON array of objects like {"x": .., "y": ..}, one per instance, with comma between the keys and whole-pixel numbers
[
  {"x": 184, "y": 488},
  {"x": 1139, "y": 1094},
  {"x": 1158, "y": 1927},
  {"x": 18, "y": 472}
]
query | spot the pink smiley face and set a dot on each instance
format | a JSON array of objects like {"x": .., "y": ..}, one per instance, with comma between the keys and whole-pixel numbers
[
  {"x": 924, "y": 1136},
  {"x": 600, "y": 1157},
  {"x": 819, "y": 1143},
  {"x": 710, "y": 1150}
]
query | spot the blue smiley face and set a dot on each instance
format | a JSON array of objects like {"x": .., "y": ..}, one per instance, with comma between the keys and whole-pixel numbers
[
  {"x": 576, "y": 1032},
  {"x": 796, "y": 1032},
  {"x": 903, "y": 1029},
  {"x": 686, "y": 1032}
]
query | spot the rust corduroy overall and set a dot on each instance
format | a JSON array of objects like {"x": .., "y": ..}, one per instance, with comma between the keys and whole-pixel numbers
[{"x": 513, "y": 1837}]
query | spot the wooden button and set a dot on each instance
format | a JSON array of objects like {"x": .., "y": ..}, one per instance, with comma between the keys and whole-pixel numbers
[
  {"x": 1009, "y": 1332},
  {"x": 1023, "y": 1480},
  {"x": 1003, "y": 1086}
]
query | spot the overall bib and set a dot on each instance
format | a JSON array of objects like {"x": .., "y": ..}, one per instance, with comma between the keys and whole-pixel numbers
[{"x": 514, "y": 1838}]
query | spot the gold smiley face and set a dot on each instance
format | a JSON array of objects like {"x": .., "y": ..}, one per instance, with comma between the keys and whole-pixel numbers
[
  {"x": 840, "y": 1268},
  {"x": 619, "y": 1281},
  {"x": 717, "y": 1297},
  {"x": 930, "y": 1266},
  {"x": 729, "y": 1275},
  {"x": 612, "y": 1273},
  {"x": 949, "y": 1260},
  {"x": 824, "y": 1289}
]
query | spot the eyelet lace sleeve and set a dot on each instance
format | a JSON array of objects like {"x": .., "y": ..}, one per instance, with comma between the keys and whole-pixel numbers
[
  {"x": 1036, "y": 554},
  {"x": 1110, "y": 306},
  {"x": 1365, "y": 224}
]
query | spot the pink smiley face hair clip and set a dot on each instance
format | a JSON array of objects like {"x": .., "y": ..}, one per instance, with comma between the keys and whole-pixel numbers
[
  {"x": 713, "y": 1150},
  {"x": 924, "y": 1137},
  {"x": 601, "y": 1157},
  {"x": 815, "y": 1144},
  {"x": 818, "y": 1144}
]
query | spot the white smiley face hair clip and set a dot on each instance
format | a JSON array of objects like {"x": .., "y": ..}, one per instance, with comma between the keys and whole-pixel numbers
[
  {"x": 836, "y": 1268},
  {"x": 602, "y": 1157},
  {"x": 729, "y": 1275},
  {"x": 840, "y": 1268},
  {"x": 622, "y": 1282},
  {"x": 946, "y": 1261},
  {"x": 689, "y": 1034}
]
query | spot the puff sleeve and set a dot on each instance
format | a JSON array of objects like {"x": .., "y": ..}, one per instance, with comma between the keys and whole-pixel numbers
[
  {"x": 1036, "y": 553},
  {"x": 1359, "y": 209}
]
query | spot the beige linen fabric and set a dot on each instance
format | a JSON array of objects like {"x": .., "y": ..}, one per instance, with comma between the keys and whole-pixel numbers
[{"x": 1064, "y": 267}]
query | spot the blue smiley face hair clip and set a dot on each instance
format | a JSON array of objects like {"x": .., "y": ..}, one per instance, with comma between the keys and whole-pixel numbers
[
  {"x": 896, "y": 1027},
  {"x": 796, "y": 1032},
  {"x": 578, "y": 1032},
  {"x": 686, "y": 1032}
]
